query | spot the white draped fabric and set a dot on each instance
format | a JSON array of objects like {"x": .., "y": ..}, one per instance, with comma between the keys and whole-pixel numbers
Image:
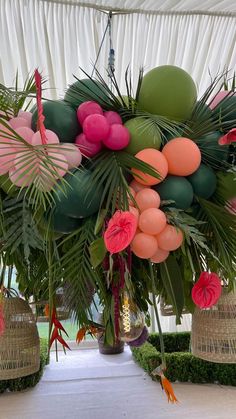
[{"x": 60, "y": 36}]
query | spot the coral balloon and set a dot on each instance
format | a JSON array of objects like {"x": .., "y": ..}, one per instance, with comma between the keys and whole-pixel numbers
[
  {"x": 152, "y": 221},
  {"x": 72, "y": 154},
  {"x": 26, "y": 133},
  {"x": 86, "y": 109},
  {"x": 147, "y": 198},
  {"x": 113, "y": 118},
  {"x": 160, "y": 256},
  {"x": 137, "y": 186},
  {"x": 183, "y": 156},
  {"x": 52, "y": 138},
  {"x": 144, "y": 246},
  {"x": 18, "y": 122},
  {"x": 118, "y": 137},
  {"x": 170, "y": 238},
  {"x": 96, "y": 128},
  {"x": 158, "y": 162},
  {"x": 87, "y": 148}
]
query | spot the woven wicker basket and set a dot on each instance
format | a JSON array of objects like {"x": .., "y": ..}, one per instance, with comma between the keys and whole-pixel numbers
[
  {"x": 19, "y": 344},
  {"x": 214, "y": 331}
]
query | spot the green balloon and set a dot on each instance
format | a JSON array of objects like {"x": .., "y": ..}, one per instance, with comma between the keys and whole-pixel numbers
[
  {"x": 79, "y": 200},
  {"x": 178, "y": 189},
  {"x": 203, "y": 181},
  {"x": 61, "y": 223},
  {"x": 93, "y": 89},
  {"x": 60, "y": 118},
  {"x": 212, "y": 152},
  {"x": 142, "y": 135},
  {"x": 168, "y": 91}
]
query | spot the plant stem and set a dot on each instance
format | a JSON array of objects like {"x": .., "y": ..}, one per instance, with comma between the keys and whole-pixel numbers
[{"x": 157, "y": 316}]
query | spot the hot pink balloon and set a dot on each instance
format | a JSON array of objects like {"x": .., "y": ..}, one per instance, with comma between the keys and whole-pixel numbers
[
  {"x": 96, "y": 128},
  {"x": 86, "y": 109},
  {"x": 18, "y": 122},
  {"x": 87, "y": 148},
  {"x": 26, "y": 115},
  {"x": 52, "y": 138},
  {"x": 113, "y": 118},
  {"x": 72, "y": 154},
  {"x": 219, "y": 97},
  {"x": 26, "y": 133},
  {"x": 118, "y": 138}
]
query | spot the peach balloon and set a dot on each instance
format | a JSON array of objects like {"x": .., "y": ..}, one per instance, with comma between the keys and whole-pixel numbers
[
  {"x": 152, "y": 221},
  {"x": 170, "y": 238},
  {"x": 183, "y": 156},
  {"x": 160, "y": 256},
  {"x": 134, "y": 211},
  {"x": 147, "y": 198},
  {"x": 158, "y": 162},
  {"x": 144, "y": 246},
  {"x": 137, "y": 186}
]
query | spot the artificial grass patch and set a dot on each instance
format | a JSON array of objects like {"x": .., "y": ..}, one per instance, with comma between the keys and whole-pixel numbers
[{"x": 181, "y": 364}]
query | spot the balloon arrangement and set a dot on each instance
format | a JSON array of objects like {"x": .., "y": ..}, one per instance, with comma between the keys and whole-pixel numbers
[{"x": 143, "y": 187}]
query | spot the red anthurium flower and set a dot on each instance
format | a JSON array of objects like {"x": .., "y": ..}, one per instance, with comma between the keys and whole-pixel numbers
[
  {"x": 120, "y": 231},
  {"x": 207, "y": 290},
  {"x": 228, "y": 138}
]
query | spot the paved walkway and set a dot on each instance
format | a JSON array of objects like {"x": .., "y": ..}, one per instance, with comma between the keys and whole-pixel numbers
[{"x": 87, "y": 385}]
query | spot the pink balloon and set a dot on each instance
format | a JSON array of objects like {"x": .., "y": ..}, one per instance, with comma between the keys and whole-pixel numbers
[
  {"x": 25, "y": 169},
  {"x": 72, "y": 154},
  {"x": 18, "y": 122},
  {"x": 59, "y": 165},
  {"x": 96, "y": 128},
  {"x": 19, "y": 179},
  {"x": 113, "y": 118},
  {"x": 118, "y": 138},
  {"x": 26, "y": 115},
  {"x": 52, "y": 138},
  {"x": 86, "y": 109},
  {"x": 87, "y": 148},
  {"x": 219, "y": 97},
  {"x": 7, "y": 158},
  {"x": 26, "y": 133}
]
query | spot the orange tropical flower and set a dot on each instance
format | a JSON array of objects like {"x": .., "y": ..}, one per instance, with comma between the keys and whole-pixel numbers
[{"x": 167, "y": 386}]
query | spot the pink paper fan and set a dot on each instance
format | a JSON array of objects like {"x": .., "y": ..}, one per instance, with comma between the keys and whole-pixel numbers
[
  {"x": 120, "y": 231},
  {"x": 207, "y": 290}
]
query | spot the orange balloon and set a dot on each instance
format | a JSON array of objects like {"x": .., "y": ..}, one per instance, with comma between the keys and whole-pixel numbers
[
  {"x": 183, "y": 156},
  {"x": 144, "y": 246},
  {"x": 152, "y": 221},
  {"x": 160, "y": 256},
  {"x": 147, "y": 198},
  {"x": 136, "y": 186},
  {"x": 130, "y": 202},
  {"x": 158, "y": 162},
  {"x": 170, "y": 238},
  {"x": 134, "y": 211}
]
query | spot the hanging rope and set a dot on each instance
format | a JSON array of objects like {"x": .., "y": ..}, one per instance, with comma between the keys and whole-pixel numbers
[{"x": 108, "y": 26}]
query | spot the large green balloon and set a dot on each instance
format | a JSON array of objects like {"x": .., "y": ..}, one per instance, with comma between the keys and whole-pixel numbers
[
  {"x": 61, "y": 223},
  {"x": 169, "y": 91},
  {"x": 213, "y": 153},
  {"x": 61, "y": 118},
  {"x": 91, "y": 88},
  {"x": 203, "y": 181},
  {"x": 81, "y": 198},
  {"x": 178, "y": 189},
  {"x": 142, "y": 135}
]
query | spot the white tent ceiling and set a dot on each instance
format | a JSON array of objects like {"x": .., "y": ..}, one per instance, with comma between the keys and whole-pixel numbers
[{"x": 155, "y": 6}]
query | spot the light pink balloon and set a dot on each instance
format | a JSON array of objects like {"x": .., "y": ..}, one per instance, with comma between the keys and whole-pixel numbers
[
  {"x": 26, "y": 115},
  {"x": 24, "y": 170},
  {"x": 219, "y": 97},
  {"x": 96, "y": 128},
  {"x": 59, "y": 165},
  {"x": 7, "y": 158},
  {"x": 87, "y": 148},
  {"x": 86, "y": 109},
  {"x": 18, "y": 122},
  {"x": 113, "y": 118},
  {"x": 52, "y": 138},
  {"x": 26, "y": 133},
  {"x": 72, "y": 154},
  {"x": 118, "y": 138}
]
